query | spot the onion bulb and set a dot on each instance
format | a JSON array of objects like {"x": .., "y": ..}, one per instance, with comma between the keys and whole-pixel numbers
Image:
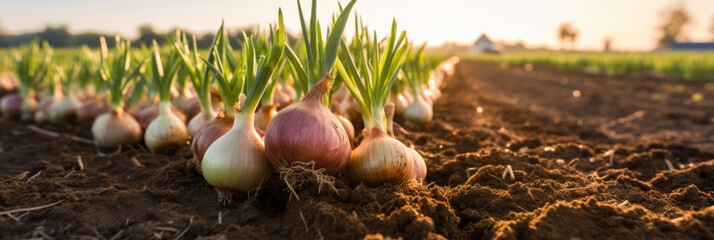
[
  {"x": 115, "y": 128},
  {"x": 90, "y": 109},
  {"x": 166, "y": 131},
  {"x": 28, "y": 108},
  {"x": 380, "y": 159},
  {"x": 281, "y": 96},
  {"x": 307, "y": 131},
  {"x": 149, "y": 114},
  {"x": 419, "y": 173},
  {"x": 10, "y": 105},
  {"x": 264, "y": 115},
  {"x": 197, "y": 123},
  {"x": 400, "y": 104},
  {"x": 64, "y": 110},
  {"x": 419, "y": 111},
  {"x": 209, "y": 133},
  {"x": 237, "y": 160},
  {"x": 42, "y": 114},
  {"x": 137, "y": 108},
  {"x": 347, "y": 125}
]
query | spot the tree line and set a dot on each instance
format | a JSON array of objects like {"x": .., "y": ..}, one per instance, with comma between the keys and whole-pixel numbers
[{"x": 60, "y": 37}]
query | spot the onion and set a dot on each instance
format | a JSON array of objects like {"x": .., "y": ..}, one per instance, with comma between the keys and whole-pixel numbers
[
  {"x": 182, "y": 98},
  {"x": 197, "y": 123},
  {"x": 281, "y": 96},
  {"x": 166, "y": 131},
  {"x": 419, "y": 173},
  {"x": 115, "y": 128},
  {"x": 10, "y": 105},
  {"x": 64, "y": 110},
  {"x": 400, "y": 104},
  {"x": 380, "y": 159},
  {"x": 28, "y": 108},
  {"x": 349, "y": 128},
  {"x": 307, "y": 131},
  {"x": 264, "y": 115},
  {"x": 90, "y": 109},
  {"x": 137, "y": 108},
  {"x": 42, "y": 114},
  {"x": 237, "y": 160},
  {"x": 207, "y": 134},
  {"x": 149, "y": 114},
  {"x": 419, "y": 111}
]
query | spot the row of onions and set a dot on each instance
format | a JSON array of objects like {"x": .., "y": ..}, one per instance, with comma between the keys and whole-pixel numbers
[{"x": 246, "y": 113}]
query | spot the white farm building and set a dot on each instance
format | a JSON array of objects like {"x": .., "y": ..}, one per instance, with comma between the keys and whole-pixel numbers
[{"x": 485, "y": 45}]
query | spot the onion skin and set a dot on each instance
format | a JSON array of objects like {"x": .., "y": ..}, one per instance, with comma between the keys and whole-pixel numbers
[
  {"x": 281, "y": 97},
  {"x": 28, "y": 108},
  {"x": 114, "y": 129},
  {"x": 136, "y": 109},
  {"x": 419, "y": 173},
  {"x": 349, "y": 128},
  {"x": 197, "y": 122},
  {"x": 149, "y": 114},
  {"x": 42, "y": 114},
  {"x": 89, "y": 110},
  {"x": 400, "y": 104},
  {"x": 64, "y": 110},
  {"x": 380, "y": 159},
  {"x": 307, "y": 131},
  {"x": 166, "y": 131},
  {"x": 207, "y": 134},
  {"x": 419, "y": 111},
  {"x": 10, "y": 105},
  {"x": 264, "y": 115},
  {"x": 237, "y": 161}
]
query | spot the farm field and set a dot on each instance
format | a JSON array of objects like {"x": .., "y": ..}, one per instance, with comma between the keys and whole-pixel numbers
[{"x": 592, "y": 157}]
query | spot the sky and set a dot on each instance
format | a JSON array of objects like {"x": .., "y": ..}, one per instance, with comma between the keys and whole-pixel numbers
[{"x": 632, "y": 24}]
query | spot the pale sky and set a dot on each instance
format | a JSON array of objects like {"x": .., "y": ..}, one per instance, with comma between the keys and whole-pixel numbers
[{"x": 631, "y": 23}]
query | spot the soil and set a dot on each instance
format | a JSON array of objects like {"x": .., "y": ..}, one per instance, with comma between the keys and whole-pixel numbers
[{"x": 592, "y": 164}]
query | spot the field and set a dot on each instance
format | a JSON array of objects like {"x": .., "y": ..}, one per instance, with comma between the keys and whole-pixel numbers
[
  {"x": 592, "y": 157},
  {"x": 690, "y": 65}
]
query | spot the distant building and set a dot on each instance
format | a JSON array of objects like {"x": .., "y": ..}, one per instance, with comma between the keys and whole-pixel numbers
[
  {"x": 692, "y": 46},
  {"x": 485, "y": 45}
]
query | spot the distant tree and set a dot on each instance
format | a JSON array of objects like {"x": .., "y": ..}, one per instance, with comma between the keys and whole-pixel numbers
[
  {"x": 147, "y": 34},
  {"x": 56, "y": 36},
  {"x": 672, "y": 29},
  {"x": 567, "y": 33}
]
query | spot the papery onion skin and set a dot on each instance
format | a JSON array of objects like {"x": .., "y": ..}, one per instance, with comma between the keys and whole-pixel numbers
[
  {"x": 166, "y": 131},
  {"x": 137, "y": 108},
  {"x": 307, "y": 131},
  {"x": 89, "y": 110},
  {"x": 42, "y": 114},
  {"x": 114, "y": 129},
  {"x": 207, "y": 134},
  {"x": 149, "y": 114},
  {"x": 264, "y": 115},
  {"x": 419, "y": 173},
  {"x": 237, "y": 161},
  {"x": 400, "y": 104},
  {"x": 380, "y": 159},
  {"x": 197, "y": 122},
  {"x": 281, "y": 97},
  {"x": 28, "y": 108},
  {"x": 419, "y": 111},
  {"x": 11, "y": 105},
  {"x": 349, "y": 128},
  {"x": 64, "y": 110}
]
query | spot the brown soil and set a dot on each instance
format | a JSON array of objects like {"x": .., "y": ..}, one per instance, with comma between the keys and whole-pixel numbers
[{"x": 559, "y": 147}]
